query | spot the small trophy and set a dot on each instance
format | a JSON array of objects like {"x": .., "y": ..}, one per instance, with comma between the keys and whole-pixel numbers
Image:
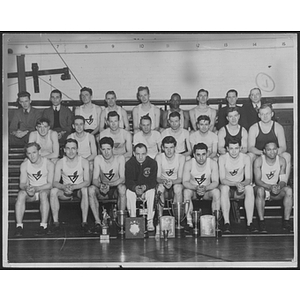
[
  {"x": 179, "y": 214},
  {"x": 207, "y": 226},
  {"x": 196, "y": 220},
  {"x": 167, "y": 227},
  {"x": 104, "y": 236},
  {"x": 121, "y": 222}
]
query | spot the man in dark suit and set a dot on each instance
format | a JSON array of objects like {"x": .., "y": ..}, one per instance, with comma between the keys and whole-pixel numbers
[{"x": 61, "y": 117}]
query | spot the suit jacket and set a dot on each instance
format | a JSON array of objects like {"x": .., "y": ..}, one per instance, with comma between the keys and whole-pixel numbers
[{"x": 65, "y": 118}]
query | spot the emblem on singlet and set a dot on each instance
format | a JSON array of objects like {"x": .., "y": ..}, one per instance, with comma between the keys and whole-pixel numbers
[
  {"x": 73, "y": 177},
  {"x": 234, "y": 172},
  {"x": 170, "y": 172},
  {"x": 270, "y": 175},
  {"x": 146, "y": 172},
  {"x": 90, "y": 120},
  {"x": 201, "y": 179},
  {"x": 38, "y": 175},
  {"x": 109, "y": 175},
  {"x": 117, "y": 145}
]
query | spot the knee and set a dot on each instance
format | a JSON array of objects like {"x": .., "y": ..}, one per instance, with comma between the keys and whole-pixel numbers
[
  {"x": 21, "y": 196},
  {"x": 161, "y": 188},
  {"x": 43, "y": 196},
  {"x": 187, "y": 193},
  {"x": 53, "y": 192},
  {"x": 91, "y": 190},
  {"x": 121, "y": 189},
  {"x": 288, "y": 191},
  {"x": 260, "y": 192},
  {"x": 248, "y": 190},
  {"x": 177, "y": 188},
  {"x": 224, "y": 189},
  {"x": 286, "y": 156},
  {"x": 216, "y": 194}
]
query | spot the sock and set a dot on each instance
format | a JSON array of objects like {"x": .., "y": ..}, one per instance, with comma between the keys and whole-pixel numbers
[
  {"x": 20, "y": 225},
  {"x": 44, "y": 225}
]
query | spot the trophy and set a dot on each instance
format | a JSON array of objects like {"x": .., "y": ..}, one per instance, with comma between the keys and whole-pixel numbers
[
  {"x": 179, "y": 214},
  {"x": 196, "y": 220},
  {"x": 120, "y": 222},
  {"x": 104, "y": 236}
]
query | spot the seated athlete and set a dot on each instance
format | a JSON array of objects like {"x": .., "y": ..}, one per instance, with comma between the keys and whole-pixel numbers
[
  {"x": 46, "y": 138},
  {"x": 35, "y": 183},
  {"x": 200, "y": 180},
  {"x": 140, "y": 181},
  {"x": 181, "y": 135},
  {"x": 151, "y": 138},
  {"x": 108, "y": 180},
  {"x": 235, "y": 178},
  {"x": 270, "y": 180},
  {"x": 86, "y": 142},
  {"x": 169, "y": 171},
  {"x": 204, "y": 135},
  {"x": 74, "y": 171},
  {"x": 121, "y": 137}
]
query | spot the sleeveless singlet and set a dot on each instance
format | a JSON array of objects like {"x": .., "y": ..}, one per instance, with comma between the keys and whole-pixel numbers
[
  {"x": 91, "y": 118},
  {"x": 119, "y": 140},
  {"x": 201, "y": 177},
  {"x": 151, "y": 114},
  {"x": 119, "y": 111},
  {"x": 37, "y": 176},
  {"x": 150, "y": 141},
  {"x": 46, "y": 147},
  {"x": 180, "y": 139},
  {"x": 228, "y": 136},
  {"x": 72, "y": 175},
  {"x": 84, "y": 148},
  {"x": 181, "y": 118},
  {"x": 270, "y": 174},
  {"x": 169, "y": 170},
  {"x": 109, "y": 172},
  {"x": 263, "y": 138},
  {"x": 235, "y": 168},
  {"x": 208, "y": 113}
]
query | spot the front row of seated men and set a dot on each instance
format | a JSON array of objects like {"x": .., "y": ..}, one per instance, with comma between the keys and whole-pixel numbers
[{"x": 200, "y": 178}]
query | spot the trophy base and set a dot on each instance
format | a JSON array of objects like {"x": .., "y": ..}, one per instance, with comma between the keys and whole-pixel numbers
[
  {"x": 104, "y": 238},
  {"x": 179, "y": 232},
  {"x": 196, "y": 233}
]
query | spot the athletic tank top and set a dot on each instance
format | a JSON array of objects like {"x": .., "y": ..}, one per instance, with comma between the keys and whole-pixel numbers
[
  {"x": 263, "y": 138},
  {"x": 228, "y": 136},
  {"x": 119, "y": 140},
  {"x": 201, "y": 177},
  {"x": 209, "y": 113},
  {"x": 84, "y": 148},
  {"x": 72, "y": 175},
  {"x": 119, "y": 111},
  {"x": 91, "y": 118},
  {"x": 151, "y": 114},
  {"x": 181, "y": 118},
  {"x": 179, "y": 137},
  {"x": 169, "y": 170},
  {"x": 46, "y": 144},
  {"x": 235, "y": 168},
  {"x": 109, "y": 172},
  {"x": 151, "y": 141},
  {"x": 37, "y": 176},
  {"x": 270, "y": 174}
]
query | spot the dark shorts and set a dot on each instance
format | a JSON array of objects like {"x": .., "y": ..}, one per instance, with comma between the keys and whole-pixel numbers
[
  {"x": 112, "y": 193},
  {"x": 233, "y": 192}
]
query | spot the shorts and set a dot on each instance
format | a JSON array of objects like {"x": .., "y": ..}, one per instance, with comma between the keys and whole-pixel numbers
[
  {"x": 234, "y": 192},
  {"x": 112, "y": 193},
  {"x": 74, "y": 194}
]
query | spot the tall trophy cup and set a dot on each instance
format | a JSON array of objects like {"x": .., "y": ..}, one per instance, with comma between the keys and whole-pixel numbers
[
  {"x": 104, "y": 236},
  {"x": 121, "y": 222},
  {"x": 179, "y": 214},
  {"x": 196, "y": 220}
]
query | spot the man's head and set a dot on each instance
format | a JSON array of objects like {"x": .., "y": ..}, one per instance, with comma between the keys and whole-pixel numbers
[
  {"x": 86, "y": 94},
  {"x": 71, "y": 148},
  {"x": 24, "y": 100},
  {"x": 140, "y": 152},
  {"x": 202, "y": 96},
  {"x": 255, "y": 95},
  {"x": 234, "y": 147},
  {"x": 113, "y": 119},
  {"x": 174, "y": 120},
  {"x": 145, "y": 123},
  {"x": 56, "y": 97},
  {"x": 175, "y": 101},
  {"x": 107, "y": 146},
  {"x": 200, "y": 153},
  {"x": 266, "y": 112},
  {"x": 78, "y": 123},
  {"x": 231, "y": 97},
  {"x": 203, "y": 123},
  {"x": 270, "y": 150},
  {"x": 233, "y": 115},
  {"x": 110, "y": 98},
  {"x": 42, "y": 126},
  {"x": 168, "y": 145},
  {"x": 143, "y": 94},
  {"x": 33, "y": 151}
]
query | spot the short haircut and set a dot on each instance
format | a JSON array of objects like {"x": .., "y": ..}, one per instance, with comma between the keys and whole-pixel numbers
[
  {"x": 174, "y": 114},
  {"x": 56, "y": 92},
  {"x": 200, "y": 146},
  {"x": 113, "y": 114},
  {"x": 202, "y": 90},
  {"x": 79, "y": 117},
  {"x": 70, "y": 141},
  {"x": 256, "y": 88},
  {"x": 204, "y": 118},
  {"x": 232, "y": 91},
  {"x": 41, "y": 121},
  {"x": 265, "y": 105},
  {"x": 23, "y": 94},
  {"x": 234, "y": 141},
  {"x": 141, "y": 88},
  {"x": 169, "y": 140},
  {"x": 35, "y": 144},
  {"x": 175, "y": 95},
  {"x": 272, "y": 142},
  {"x": 145, "y": 117},
  {"x": 87, "y": 89},
  {"x": 231, "y": 109},
  {"x": 106, "y": 140},
  {"x": 140, "y": 145},
  {"x": 110, "y": 93}
]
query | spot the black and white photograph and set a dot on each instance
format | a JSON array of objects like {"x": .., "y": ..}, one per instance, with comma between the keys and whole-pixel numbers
[{"x": 150, "y": 150}]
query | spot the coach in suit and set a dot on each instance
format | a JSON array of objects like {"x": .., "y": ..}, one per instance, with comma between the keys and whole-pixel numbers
[{"x": 61, "y": 117}]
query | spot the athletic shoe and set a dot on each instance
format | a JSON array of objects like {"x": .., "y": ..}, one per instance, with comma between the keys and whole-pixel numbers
[
  {"x": 85, "y": 228},
  {"x": 251, "y": 228},
  {"x": 150, "y": 226},
  {"x": 227, "y": 228},
  {"x": 287, "y": 226},
  {"x": 262, "y": 227},
  {"x": 189, "y": 223},
  {"x": 41, "y": 232},
  {"x": 19, "y": 231},
  {"x": 96, "y": 229}
]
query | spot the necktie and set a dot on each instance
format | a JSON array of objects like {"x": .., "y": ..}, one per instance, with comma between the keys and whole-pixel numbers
[
  {"x": 256, "y": 107},
  {"x": 26, "y": 112}
]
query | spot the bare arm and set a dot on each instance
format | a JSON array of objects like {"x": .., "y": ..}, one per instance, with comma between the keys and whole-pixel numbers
[
  {"x": 136, "y": 121},
  {"x": 213, "y": 119},
  {"x": 159, "y": 179},
  {"x": 244, "y": 141},
  {"x": 253, "y": 132},
  {"x": 86, "y": 176},
  {"x": 128, "y": 145},
  {"x": 258, "y": 174},
  {"x": 48, "y": 185},
  {"x": 221, "y": 141},
  {"x": 193, "y": 119},
  {"x": 125, "y": 119},
  {"x": 157, "y": 118},
  {"x": 102, "y": 121},
  {"x": 187, "y": 144},
  {"x": 121, "y": 162},
  {"x": 281, "y": 138},
  {"x": 96, "y": 172},
  {"x": 214, "y": 176},
  {"x": 222, "y": 172},
  {"x": 187, "y": 176},
  {"x": 164, "y": 120},
  {"x": 180, "y": 170},
  {"x": 214, "y": 149},
  {"x": 23, "y": 176},
  {"x": 99, "y": 110},
  {"x": 247, "y": 180},
  {"x": 57, "y": 176},
  {"x": 93, "y": 148},
  {"x": 186, "y": 123}
]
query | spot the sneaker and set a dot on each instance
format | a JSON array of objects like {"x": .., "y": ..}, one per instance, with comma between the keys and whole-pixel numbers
[
  {"x": 227, "y": 228},
  {"x": 41, "y": 232},
  {"x": 85, "y": 228},
  {"x": 189, "y": 223},
  {"x": 96, "y": 229},
  {"x": 287, "y": 226},
  {"x": 262, "y": 227},
  {"x": 150, "y": 226},
  {"x": 251, "y": 228},
  {"x": 19, "y": 231}
]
